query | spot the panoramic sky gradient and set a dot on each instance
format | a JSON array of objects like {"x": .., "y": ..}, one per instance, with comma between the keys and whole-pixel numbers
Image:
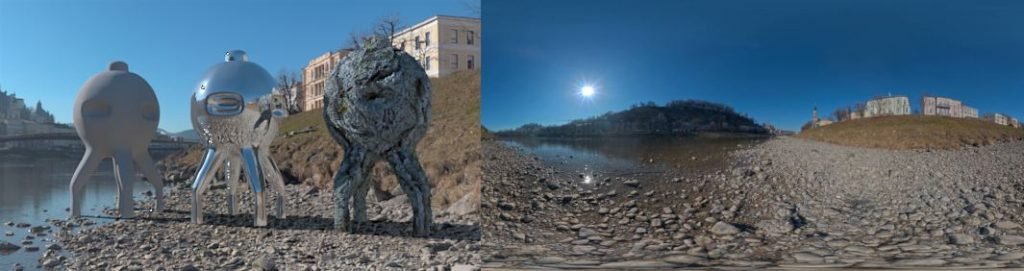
[
  {"x": 773, "y": 60},
  {"x": 49, "y": 48}
]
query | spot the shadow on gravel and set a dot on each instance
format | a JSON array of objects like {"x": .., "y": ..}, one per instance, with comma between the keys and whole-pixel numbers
[{"x": 382, "y": 228}]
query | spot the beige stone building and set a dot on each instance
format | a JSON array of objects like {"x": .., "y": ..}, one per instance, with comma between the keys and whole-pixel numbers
[
  {"x": 887, "y": 106},
  {"x": 443, "y": 44},
  {"x": 999, "y": 119},
  {"x": 313, "y": 75},
  {"x": 941, "y": 106}
]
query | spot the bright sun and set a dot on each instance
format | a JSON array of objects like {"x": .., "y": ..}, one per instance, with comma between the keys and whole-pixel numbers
[{"x": 587, "y": 91}]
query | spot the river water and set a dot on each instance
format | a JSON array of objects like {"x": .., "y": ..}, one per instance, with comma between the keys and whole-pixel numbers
[
  {"x": 34, "y": 187},
  {"x": 627, "y": 156}
]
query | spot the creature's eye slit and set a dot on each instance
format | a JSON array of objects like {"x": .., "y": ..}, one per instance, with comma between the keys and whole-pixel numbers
[
  {"x": 150, "y": 112},
  {"x": 224, "y": 104},
  {"x": 96, "y": 109}
]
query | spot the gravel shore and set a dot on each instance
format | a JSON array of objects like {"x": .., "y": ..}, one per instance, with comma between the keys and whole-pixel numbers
[
  {"x": 306, "y": 240},
  {"x": 783, "y": 203}
]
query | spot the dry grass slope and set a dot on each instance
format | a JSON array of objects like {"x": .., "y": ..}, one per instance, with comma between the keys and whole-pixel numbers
[
  {"x": 913, "y": 132},
  {"x": 450, "y": 152}
]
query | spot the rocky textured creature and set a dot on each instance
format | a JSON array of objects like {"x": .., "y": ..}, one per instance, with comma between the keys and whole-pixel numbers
[
  {"x": 116, "y": 115},
  {"x": 378, "y": 107}
]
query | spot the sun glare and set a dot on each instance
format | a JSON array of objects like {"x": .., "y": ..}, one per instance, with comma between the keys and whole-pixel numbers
[{"x": 587, "y": 91}]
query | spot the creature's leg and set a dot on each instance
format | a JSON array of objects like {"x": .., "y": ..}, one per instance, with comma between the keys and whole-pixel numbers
[
  {"x": 273, "y": 174},
  {"x": 349, "y": 173},
  {"x": 124, "y": 167},
  {"x": 211, "y": 162},
  {"x": 231, "y": 174},
  {"x": 360, "y": 187},
  {"x": 413, "y": 180},
  {"x": 253, "y": 172},
  {"x": 148, "y": 169},
  {"x": 85, "y": 168}
]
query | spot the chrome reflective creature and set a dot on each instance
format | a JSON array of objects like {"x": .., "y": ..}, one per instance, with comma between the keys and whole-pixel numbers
[
  {"x": 236, "y": 112},
  {"x": 116, "y": 115}
]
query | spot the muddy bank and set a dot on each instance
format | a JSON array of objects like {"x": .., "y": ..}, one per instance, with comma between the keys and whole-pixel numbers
[{"x": 786, "y": 202}]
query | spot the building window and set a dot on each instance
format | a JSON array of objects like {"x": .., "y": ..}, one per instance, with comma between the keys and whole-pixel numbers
[
  {"x": 470, "y": 38},
  {"x": 417, "y": 42},
  {"x": 426, "y": 63},
  {"x": 455, "y": 36},
  {"x": 454, "y": 61},
  {"x": 426, "y": 38},
  {"x": 469, "y": 62}
]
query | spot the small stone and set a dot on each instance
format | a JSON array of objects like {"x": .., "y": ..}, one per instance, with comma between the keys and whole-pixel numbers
[
  {"x": 684, "y": 259},
  {"x": 6, "y": 246},
  {"x": 632, "y": 182},
  {"x": 805, "y": 257},
  {"x": 506, "y": 206},
  {"x": 722, "y": 228},
  {"x": 1006, "y": 225},
  {"x": 586, "y": 232},
  {"x": 1011, "y": 240},
  {"x": 1012, "y": 256},
  {"x": 960, "y": 239},
  {"x": 920, "y": 262},
  {"x": 551, "y": 260}
]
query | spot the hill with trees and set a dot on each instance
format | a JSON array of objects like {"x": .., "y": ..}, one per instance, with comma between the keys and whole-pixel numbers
[{"x": 681, "y": 117}]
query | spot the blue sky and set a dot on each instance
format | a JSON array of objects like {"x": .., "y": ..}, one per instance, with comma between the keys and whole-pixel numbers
[
  {"x": 49, "y": 48},
  {"x": 773, "y": 60}
]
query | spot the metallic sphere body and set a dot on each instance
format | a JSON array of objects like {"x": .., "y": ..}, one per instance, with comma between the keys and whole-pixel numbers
[
  {"x": 116, "y": 115},
  {"x": 378, "y": 107},
  {"x": 236, "y": 113}
]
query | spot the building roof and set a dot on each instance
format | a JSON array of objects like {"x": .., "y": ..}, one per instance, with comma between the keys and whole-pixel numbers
[
  {"x": 432, "y": 19},
  {"x": 888, "y": 97}
]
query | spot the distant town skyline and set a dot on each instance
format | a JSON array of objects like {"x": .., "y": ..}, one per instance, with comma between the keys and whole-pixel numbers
[
  {"x": 49, "y": 48},
  {"x": 772, "y": 60}
]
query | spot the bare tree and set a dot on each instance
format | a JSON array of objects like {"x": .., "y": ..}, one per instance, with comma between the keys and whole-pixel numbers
[
  {"x": 841, "y": 114},
  {"x": 473, "y": 6},
  {"x": 386, "y": 27},
  {"x": 288, "y": 84}
]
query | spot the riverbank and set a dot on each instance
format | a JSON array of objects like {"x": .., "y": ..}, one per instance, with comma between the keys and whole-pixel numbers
[
  {"x": 306, "y": 240},
  {"x": 787, "y": 202},
  {"x": 914, "y": 132}
]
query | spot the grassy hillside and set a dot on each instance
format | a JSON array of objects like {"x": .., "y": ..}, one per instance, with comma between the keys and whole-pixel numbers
[
  {"x": 449, "y": 152},
  {"x": 913, "y": 132}
]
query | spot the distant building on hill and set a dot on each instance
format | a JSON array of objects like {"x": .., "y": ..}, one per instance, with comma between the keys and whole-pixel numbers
[
  {"x": 1014, "y": 123},
  {"x": 14, "y": 108},
  {"x": 443, "y": 44},
  {"x": 887, "y": 106},
  {"x": 942, "y": 106},
  {"x": 969, "y": 112},
  {"x": 998, "y": 118},
  {"x": 314, "y": 75}
]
